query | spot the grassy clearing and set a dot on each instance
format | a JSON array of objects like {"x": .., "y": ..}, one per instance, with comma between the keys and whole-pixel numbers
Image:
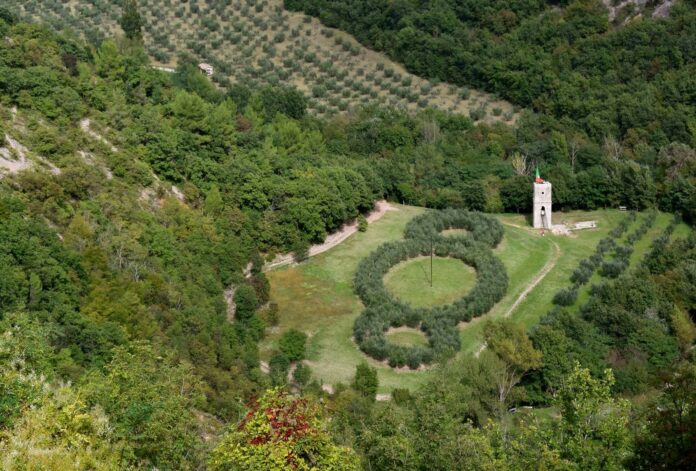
[
  {"x": 317, "y": 296},
  {"x": 454, "y": 232},
  {"x": 409, "y": 281},
  {"x": 407, "y": 336}
]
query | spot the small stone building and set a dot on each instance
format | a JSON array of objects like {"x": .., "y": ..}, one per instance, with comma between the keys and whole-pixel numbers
[{"x": 207, "y": 69}]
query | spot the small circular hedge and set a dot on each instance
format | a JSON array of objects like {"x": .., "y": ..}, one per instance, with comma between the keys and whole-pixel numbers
[{"x": 438, "y": 323}]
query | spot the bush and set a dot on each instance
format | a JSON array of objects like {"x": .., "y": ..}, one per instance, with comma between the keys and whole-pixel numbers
[
  {"x": 293, "y": 344},
  {"x": 279, "y": 365},
  {"x": 302, "y": 374},
  {"x": 245, "y": 301},
  {"x": 362, "y": 223},
  {"x": 401, "y": 396},
  {"x": 477, "y": 114},
  {"x": 300, "y": 251},
  {"x": 365, "y": 381},
  {"x": 565, "y": 296}
]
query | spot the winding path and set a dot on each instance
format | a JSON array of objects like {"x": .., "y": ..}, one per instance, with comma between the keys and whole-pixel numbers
[
  {"x": 381, "y": 207},
  {"x": 531, "y": 285}
]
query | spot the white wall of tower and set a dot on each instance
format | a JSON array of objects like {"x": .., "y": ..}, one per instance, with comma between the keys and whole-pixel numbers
[{"x": 542, "y": 206}]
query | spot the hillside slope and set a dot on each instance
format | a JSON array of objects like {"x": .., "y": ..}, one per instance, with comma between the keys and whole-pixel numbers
[{"x": 257, "y": 42}]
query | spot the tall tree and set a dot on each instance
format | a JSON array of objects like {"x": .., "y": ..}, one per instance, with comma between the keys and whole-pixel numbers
[
  {"x": 365, "y": 381},
  {"x": 594, "y": 424},
  {"x": 510, "y": 343},
  {"x": 131, "y": 21}
]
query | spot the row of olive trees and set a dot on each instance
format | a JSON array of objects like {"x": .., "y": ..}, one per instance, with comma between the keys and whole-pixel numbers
[
  {"x": 586, "y": 268},
  {"x": 439, "y": 323},
  {"x": 607, "y": 268},
  {"x": 622, "y": 253}
]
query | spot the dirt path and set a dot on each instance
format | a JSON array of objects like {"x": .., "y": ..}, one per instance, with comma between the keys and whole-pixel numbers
[
  {"x": 531, "y": 285},
  {"x": 381, "y": 207},
  {"x": 86, "y": 126},
  {"x": 542, "y": 274}
]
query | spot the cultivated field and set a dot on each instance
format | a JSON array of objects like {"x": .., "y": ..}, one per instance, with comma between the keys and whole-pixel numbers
[
  {"x": 317, "y": 296},
  {"x": 258, "y": 42}
]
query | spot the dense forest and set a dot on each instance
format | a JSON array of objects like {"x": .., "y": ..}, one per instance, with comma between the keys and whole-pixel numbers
[
  {"x": 148, "y": 201},
  {"x": 562, "y": 58}
]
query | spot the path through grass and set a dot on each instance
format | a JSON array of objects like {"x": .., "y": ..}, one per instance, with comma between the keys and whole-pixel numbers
[{"x": 317, "y": 296}]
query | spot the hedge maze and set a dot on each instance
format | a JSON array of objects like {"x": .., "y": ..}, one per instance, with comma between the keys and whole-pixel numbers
[{"x": 439, "y": 323}]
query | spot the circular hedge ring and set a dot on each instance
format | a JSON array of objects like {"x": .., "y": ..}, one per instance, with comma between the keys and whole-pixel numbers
[
  {"x": 481, "y": 227},
  {"x": 439, "y": 323}
]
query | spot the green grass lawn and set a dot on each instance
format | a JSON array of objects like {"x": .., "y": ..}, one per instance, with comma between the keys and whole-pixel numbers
[
  {"x": 407, "y": 336},
  {"x": 409, "y": 281},
  {"x": 317, "y": 296},
  {"x": 454, "y": 232}
]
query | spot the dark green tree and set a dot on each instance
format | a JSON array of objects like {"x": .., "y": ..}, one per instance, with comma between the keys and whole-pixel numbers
[
  {"x": 365, "y": 381},
  {"x": 246, "y": 302},
  {"x": 131, "y": 21},
  {"x": 292, "y": 344}
]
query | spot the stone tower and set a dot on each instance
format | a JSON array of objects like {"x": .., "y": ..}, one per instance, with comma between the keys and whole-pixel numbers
[{"x": 542, "y": 203}]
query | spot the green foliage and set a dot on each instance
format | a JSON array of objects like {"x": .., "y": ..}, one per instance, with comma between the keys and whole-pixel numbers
[
  {"x": 302, "y": 374},
  {"x": 594, "y": 424},
  {"x": 666, "y": 442},
  {"x": 279, "y": 365},
  {"x": 245, "y": 301},
  {"x": 365, "y": 381},
  {"x": 285, "y": 100},
  {"x": 509, "y": 342},
  {"x": 613, "y": 85},
  {"x": 150, "y": 399},
  {"x": 131, "y": 22},
  {"x": 439, "y": 323},
  {"x": 280, "y": 432},
  {"x": 362, "y": 223},
  {"x": 293, "y": 344}
]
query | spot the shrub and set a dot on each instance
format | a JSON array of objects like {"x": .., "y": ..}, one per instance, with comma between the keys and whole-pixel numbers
[
  {"x": 362, "y": 223},
  {"x": 293, "y": 344},
  {"x": 565, "y": 296},
  {"x": 245, "y": 301},
  {"x": 278, "y": 366},
  {"x": 477, "y": 114},
  {"x": 401, "y": 396},
  {"x": 365, "y": 381},
  {"x": 302, "y": 374}
]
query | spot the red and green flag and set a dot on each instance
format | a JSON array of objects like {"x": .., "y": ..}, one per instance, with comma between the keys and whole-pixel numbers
[{"x": 538, "y": 179}]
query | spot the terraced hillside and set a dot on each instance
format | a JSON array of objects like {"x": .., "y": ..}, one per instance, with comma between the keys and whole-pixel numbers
[{"x": 258, "y": 42}]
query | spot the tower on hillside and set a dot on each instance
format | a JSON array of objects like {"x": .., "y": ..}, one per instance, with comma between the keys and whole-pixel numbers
[{"x": 542, "y": 203}]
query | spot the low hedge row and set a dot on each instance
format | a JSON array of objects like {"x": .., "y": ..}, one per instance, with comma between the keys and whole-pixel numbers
[{"x": 438, "y": 323}]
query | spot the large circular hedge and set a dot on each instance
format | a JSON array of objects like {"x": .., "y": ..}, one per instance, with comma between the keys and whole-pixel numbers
[
  {"x": 383, "y": 311},
  {"x": 481, "y": 227}
]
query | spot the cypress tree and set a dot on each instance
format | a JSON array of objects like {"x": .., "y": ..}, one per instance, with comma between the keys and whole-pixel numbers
[{"x": 131, "y": 21}]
